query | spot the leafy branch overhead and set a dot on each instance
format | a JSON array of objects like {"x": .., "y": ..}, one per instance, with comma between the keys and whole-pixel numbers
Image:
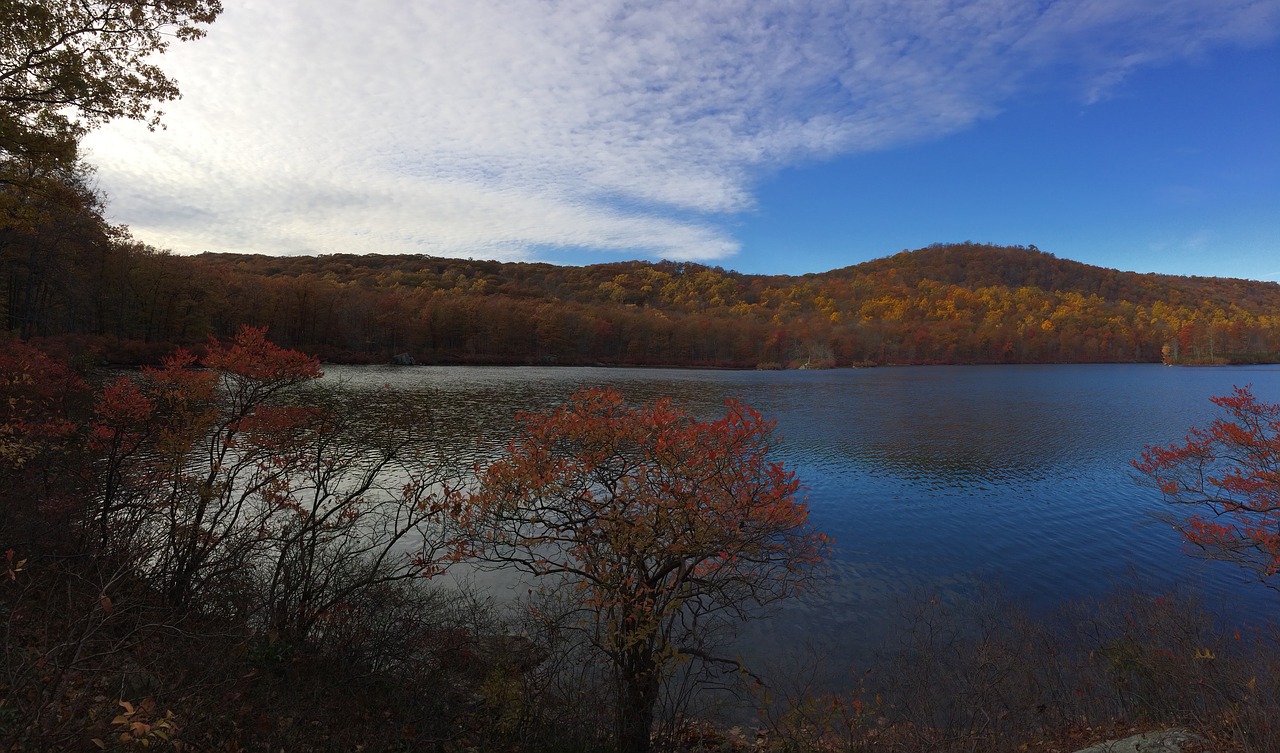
[{"x": 67, "y": 66}]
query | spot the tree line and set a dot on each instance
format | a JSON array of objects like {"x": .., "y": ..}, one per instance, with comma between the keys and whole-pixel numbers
[
  {"x": 69, "y": 274},
  {"x": 72, "y": 277}
]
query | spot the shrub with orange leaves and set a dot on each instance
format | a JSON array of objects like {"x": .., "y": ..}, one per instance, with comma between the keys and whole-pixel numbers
[
  {"x": 653, "y": 524},
  {"x": 245, "y": 484},
  {"x": 34, "y": 390},
  {"x": 1232, "y": 471}
]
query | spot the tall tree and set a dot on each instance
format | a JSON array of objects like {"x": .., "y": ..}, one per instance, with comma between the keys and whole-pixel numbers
[{"x": 652, "y": 524}]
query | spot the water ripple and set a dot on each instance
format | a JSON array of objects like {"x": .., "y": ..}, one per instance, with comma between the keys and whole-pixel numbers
[{"x": 928, "y": 477}]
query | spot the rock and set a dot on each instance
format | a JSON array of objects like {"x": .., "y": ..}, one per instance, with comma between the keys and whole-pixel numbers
[
  {"x": 403, "y": 359},
  {"x": 1161, "y": 741}
]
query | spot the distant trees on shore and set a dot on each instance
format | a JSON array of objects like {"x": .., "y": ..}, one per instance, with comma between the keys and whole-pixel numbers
[{"x": 76, "y": 279}]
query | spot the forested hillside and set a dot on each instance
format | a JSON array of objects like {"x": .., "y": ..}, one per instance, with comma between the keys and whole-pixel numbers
[{"x": 68, "y": 275}]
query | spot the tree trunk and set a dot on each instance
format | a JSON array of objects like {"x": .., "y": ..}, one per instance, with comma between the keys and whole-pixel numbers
[{"x": 637, "y": 697}]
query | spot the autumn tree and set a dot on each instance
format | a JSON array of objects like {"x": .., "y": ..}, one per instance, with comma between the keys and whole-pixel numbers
[
  {"x": 66, "y": 67},
  {"x": 51, "y": 234},
  {"x": 69, "y": 66},
  {"x": 37, "y": 393},
  {"x": 242, "y": 486},
  {"x": 652, "y": 524},
  {"x": 1231, "y": 473},
  {"x": 154, "y": 538}
]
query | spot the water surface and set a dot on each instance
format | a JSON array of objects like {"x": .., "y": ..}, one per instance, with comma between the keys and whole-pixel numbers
[{"x": 933, "y": 480}]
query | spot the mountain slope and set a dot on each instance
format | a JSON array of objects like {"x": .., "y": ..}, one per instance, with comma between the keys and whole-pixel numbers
[{"x": 960, "y": 303}]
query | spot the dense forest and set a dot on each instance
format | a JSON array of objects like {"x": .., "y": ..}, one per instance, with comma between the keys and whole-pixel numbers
[{"x": 70, "y": 276}]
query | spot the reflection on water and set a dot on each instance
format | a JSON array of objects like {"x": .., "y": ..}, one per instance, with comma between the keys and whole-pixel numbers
[{"x": 931, "y": 479}]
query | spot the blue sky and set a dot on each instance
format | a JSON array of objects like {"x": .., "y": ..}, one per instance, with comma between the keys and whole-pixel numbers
[
  {"x": 1177, "y": 171},
  {"x": 783, "y": 136}
]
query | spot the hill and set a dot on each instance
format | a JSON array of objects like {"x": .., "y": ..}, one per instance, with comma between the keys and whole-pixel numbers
[
  {"x": 959, "y": 303},
  {"x": 973, "y": 266}
]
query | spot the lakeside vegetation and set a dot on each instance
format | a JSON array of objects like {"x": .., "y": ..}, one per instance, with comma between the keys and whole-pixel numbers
[{"x": 236, "y": 558}]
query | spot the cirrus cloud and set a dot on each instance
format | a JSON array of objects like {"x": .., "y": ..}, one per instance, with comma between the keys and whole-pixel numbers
[{"x": 494, "y": 128}]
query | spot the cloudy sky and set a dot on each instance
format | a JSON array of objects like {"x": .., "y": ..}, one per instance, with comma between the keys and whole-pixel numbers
[{"x": 781, "y": 136}]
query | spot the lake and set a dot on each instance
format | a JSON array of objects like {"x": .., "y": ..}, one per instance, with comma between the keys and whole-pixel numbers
[{"x": 933, "y": 480}]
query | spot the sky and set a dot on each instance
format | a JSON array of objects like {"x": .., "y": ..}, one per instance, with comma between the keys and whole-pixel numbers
[{"x": 765, "y": 136}]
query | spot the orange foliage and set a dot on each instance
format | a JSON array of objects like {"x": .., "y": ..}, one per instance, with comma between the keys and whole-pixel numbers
[
  {"x": 34, "y": 390},
  {"x": 207, "y": 475},
  {"x": 956, "y": 303},
  {"x": 651, "y": 521},
  {"x": 1232, "y": 469}
]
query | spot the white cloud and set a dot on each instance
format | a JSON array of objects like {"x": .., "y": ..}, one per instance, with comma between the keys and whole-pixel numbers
[{"x": 494, "y": 127}]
